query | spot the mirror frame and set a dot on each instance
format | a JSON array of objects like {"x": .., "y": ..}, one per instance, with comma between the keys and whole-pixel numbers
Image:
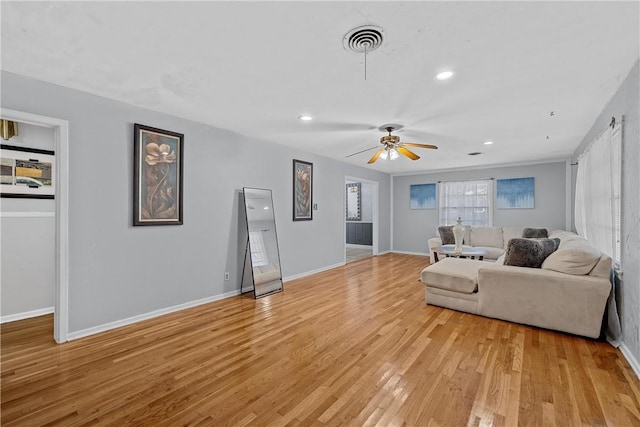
[
  {"x": 356, "y": 188},
  {"x": 248, "y": 259}
]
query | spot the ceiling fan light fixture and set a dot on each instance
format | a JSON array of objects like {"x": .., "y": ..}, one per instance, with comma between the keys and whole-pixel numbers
[
  {"x": 384, "y": 155},
  {"x": 8, "y": 128},
  {"x": 445, "y": 75},
  {"x": 393, "y": 154}
]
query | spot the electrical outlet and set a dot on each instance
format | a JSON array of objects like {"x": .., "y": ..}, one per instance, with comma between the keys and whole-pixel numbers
[{"x": 226, "y": 276}]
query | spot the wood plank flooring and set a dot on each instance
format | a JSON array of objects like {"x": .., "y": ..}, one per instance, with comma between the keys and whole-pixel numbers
[
  {"x": 354, "y": 254},
  {"x": 354, "y": 346}
]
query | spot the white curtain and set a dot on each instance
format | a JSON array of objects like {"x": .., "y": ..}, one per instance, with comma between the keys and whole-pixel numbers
[
  {"x": 597, "y": 208},
  {"x": 597, "y": 204},
  {"x": 470, "y": 200}
]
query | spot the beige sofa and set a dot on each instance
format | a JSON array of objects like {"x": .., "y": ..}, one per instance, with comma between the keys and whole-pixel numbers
[
  {"x": 494, "y": 240},
  {"x": 568, "y": 293}
]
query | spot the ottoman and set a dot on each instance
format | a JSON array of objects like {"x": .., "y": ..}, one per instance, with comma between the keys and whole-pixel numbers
[{"x": 453, "y": 283}]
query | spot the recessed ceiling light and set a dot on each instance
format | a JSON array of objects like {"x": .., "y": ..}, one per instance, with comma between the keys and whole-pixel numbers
[
  {"x": 444, "y": 75},
  {"x": 488, "y": 142},
  {"x": 305, "y": 117}
]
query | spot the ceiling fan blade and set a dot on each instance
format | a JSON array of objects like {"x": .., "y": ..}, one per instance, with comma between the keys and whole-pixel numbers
[
  {"x": 413, "y": 144},
  {"x": 375, "y": 156},
  {"x": 367, "y": 149},
  {"x": 409, "y": 154}
]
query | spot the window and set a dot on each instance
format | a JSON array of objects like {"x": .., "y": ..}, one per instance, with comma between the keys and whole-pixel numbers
[
  {"x": 258, "y": 252},
  {"x": 597, "y": 204},
  {"x": 470, "y": 200}
]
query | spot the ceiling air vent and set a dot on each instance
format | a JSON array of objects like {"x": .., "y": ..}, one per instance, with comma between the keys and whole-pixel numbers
[{"x": 363, "y": 39}]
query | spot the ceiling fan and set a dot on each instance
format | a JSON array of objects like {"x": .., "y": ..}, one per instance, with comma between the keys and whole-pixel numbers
[{"x": 392, "y": 148}]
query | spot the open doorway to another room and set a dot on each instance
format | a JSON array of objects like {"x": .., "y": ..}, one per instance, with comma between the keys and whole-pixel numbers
[
  {"x": 27, "y": 221},
  {"x": 27, "y": 283},
  {"x": 361, "y": 231}
]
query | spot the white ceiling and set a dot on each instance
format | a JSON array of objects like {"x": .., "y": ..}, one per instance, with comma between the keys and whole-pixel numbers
[{"x": 254, "y": 67}]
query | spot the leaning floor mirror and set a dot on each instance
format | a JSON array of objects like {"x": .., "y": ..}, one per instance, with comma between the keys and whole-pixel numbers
[{"x": 261, "y": 273}]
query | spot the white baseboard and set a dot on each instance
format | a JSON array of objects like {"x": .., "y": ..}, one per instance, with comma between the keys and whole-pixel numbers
[
  {"x": 128, "y": 321},
  {"x": 411, "y": 253},
  {"x": 309, "y": 273},
  {"x": 26, "y": 315},
  {"x": 353, "y": 245},
  {"x": 384, "y": 253},
  {"x": 27, "y": 214},
  {"x": 631, "y": 359}
]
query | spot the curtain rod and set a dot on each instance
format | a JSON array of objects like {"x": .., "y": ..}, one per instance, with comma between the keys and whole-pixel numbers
[
  {"x": 461, "y": 180},
  {"x": 612, "y": 125}
]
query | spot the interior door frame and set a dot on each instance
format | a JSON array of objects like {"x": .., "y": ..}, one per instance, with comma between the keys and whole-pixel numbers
[
  {"x": 61, "y": 143},
  {"x": 376, "y": 214}
]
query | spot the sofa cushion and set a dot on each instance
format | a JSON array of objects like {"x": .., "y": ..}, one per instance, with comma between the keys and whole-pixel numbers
[
  {"x": 509, "y": 233},
  {"x": 486, "y": 236},
  {"x": 603, "y": 267},
  {"x": 565, "y": 237},
  {"x": 454, "y": 274},
  {"x": 529, "y": 252},
  {"x": 446, "y": 234},
  {"x": 492, "y": 253},
  {"x": 535, "y": 233},
  {"x": 575, "y": 256}
]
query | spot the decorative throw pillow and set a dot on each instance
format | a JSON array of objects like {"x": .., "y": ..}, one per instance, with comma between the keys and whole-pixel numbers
[
  {"x": 535, "y": 233},
  {"x": 529, "y": 252},
  {"x": 446, "y": 234}
]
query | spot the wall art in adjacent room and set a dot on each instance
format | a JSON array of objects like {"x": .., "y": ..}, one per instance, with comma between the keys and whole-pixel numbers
[{"x": 27, "y": 172}]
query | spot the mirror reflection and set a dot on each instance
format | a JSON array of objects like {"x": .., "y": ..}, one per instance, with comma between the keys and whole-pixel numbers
[
  {"x": 263, "y": 241},
  {"x": 353, "y": 201}
]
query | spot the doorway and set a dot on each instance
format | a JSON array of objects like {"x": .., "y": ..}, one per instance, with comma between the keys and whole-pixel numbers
[
  {"x": 361, "y": 218},
  {"x": 60, "y": 129}
]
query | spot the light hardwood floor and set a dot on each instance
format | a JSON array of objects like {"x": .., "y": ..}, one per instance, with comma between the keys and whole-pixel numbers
[
  {"x": 354, "y": 254},
  {"x": 355, "y": 345}
]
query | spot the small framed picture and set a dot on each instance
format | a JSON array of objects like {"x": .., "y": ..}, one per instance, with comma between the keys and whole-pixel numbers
[
  {"x": 27, "y": 172},
  {"x": 157, "y": 191},
  {"x": 302, "y": 190}
]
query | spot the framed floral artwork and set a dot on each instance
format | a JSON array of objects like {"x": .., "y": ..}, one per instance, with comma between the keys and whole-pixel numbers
[
  {"x": 302, "y": 190},
  {"x": 157, "y": 191}
]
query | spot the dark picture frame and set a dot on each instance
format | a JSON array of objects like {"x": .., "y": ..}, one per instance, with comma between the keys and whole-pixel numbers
[
  {"x": 302, "y": 190},
  {"x": 158, "y": 172},
  {"x": 27, "y": 173}
]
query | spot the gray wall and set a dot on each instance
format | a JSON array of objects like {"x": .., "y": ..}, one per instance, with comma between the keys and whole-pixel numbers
[
  {"x": 625, "y": 103},
  {"x": 413, "y": 227},
  {"x": 366, "y": 202},
  {"x": 117, "y": 270},
  {"x": 27, "y": 229}
]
